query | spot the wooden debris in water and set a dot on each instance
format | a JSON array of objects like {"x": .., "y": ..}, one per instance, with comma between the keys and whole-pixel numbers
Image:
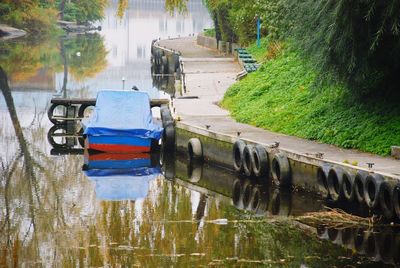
[{"x": 335, "y": 218}]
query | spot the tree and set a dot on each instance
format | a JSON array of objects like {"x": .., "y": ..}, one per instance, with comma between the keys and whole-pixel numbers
[{"x": 355, "y": 41}]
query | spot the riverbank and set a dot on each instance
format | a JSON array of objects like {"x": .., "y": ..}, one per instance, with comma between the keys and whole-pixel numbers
[
  {"x": 8, "y": 32},
  {"x": 285, "y": 86},
  {"x": 207, "y": 78}
]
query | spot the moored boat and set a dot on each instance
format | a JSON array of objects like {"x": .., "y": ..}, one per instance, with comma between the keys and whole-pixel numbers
[{"x": 121, "y": 122}]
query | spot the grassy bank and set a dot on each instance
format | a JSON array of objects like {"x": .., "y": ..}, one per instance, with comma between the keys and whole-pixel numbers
[{"x": 282, "y": 96}]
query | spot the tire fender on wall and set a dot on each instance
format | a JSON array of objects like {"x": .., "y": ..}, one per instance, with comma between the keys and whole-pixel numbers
[{"x": 281, "y": 172}]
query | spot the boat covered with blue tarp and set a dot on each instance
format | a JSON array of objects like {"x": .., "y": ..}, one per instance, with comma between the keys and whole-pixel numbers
[{"x": 121, "y": 122}]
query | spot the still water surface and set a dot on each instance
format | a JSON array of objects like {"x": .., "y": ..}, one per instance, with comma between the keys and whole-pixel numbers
[{"x": 52, "y": 214}]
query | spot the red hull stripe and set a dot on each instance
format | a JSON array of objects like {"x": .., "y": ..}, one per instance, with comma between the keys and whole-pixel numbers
[
  {"x": 115, "y": 148},
  {"x": 115, "y": 156}
]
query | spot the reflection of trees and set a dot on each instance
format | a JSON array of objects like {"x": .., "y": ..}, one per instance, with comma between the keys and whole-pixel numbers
[
  {"x": 65, "y": 64},
  {"x": 22, "y": 60},
  {"x": 28, "y": 173},
  {"x": 122, "y": 6},
  {"x": 179, "y": 5},
  {"x": 86, "y": 55},
  {"x": 34, "y": 208}
]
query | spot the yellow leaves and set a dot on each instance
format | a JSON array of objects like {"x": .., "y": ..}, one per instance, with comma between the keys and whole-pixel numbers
[
  {"x": 274, "y": 49},
  {"x": 122, "y": 6},
  {"x": 179, "y": 5}
]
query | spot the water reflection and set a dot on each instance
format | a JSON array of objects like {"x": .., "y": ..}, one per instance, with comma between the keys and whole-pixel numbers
[
  {"x": 265, "y": 201},
  {"x": 52, "y": 215},
  {"x": 33, "y": 65},
  {"x": 249, "y": 195},
  {"x": 121, "y": 176},
  {"x": 379, "y": 244},
  {"x": 65, "y": 139}
]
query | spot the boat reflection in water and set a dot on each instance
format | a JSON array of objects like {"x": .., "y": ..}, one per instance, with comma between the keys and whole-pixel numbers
[{"x": 121, "y": 176}]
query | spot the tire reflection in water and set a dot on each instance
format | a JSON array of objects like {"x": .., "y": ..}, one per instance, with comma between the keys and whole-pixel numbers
[
  {"x": 250, "y": 195},
  {"x": 379, "y": 244}
]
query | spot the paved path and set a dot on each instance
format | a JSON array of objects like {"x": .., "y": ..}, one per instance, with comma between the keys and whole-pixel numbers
[{"x": 209, "y": 75}]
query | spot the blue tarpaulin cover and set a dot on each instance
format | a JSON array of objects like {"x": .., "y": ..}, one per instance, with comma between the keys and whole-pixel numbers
[
  {"x": 122, "y": 184},
  {"x": 122, "y": 113}
]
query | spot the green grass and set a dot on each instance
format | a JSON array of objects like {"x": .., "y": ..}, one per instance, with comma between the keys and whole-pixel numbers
[
  {"x": 209, "y": 32},
  {"x": 258, "y": 53},
  {"x": 282, "y": 97}
]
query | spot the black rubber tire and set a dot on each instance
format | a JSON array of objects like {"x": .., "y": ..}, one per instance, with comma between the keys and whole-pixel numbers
[
  {"x": 248, "y": 160},
  {"x": 168, "y": 139},
  {"x": 396, "y": 201},
  {"x": 281, "y": 172},
  {"x": 333, "y": 234},
  {"x": 247, "y": 191},
  {"x": 82, "y": 108},
  {"x": 51, "y": 111},
  {"x": 157, "y": 56},
  {"x": 322, "y": 232},
  {"x": 237, "y": 194},
  {"x": 195, "y": 149},
  {"x": 373, "y": 184},
  {"x": 386, "y": 246},
  {"x": 348, "y": 237},
  {"x": 167, "y": 162},
  {"x": 281, "y": 203},
  {"x": 359, "y": 186},
  {"x": 51, "y": 140},
  {"x": 195, "y": 171},
  {"x": 260, "y": 161},
  {"x": 176, "y": 61},
  {"x": 348, "y": 185},
  {"x": 259, "y": 201},
  {"x": 164, "y": 64},
  {"x": 237, "y": 155},
  {"x": 166, "y": 116},
  {"x": 322, "y": 178},
  {"x": 386, "y": 200},
  {"x": 396, "y": 249},
  {"x": 152, "y": 46},
  {"x": 359, "y": 240},
  {"x": 371, "y": 244},
  {"x": 335, "y": 183}
]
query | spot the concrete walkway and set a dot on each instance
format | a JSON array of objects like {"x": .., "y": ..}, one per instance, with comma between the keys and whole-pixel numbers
[{"x": 208, "y": 75}]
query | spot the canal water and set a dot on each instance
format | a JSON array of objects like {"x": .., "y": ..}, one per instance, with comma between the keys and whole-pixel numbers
[{"x": 55, "y": 214}]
